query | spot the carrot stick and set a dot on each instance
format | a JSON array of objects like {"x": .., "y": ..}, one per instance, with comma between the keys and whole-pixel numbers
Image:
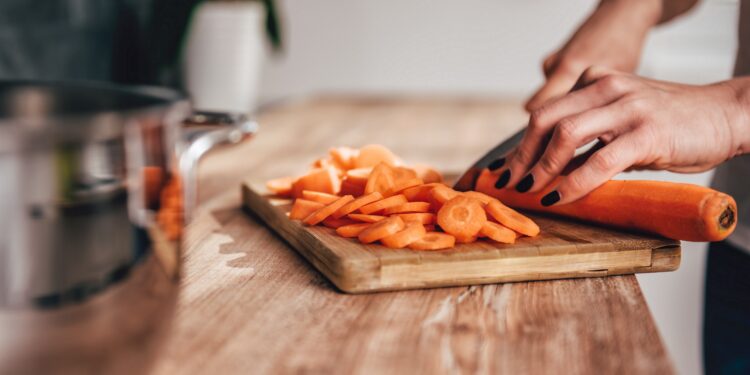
[
  {"x": 352, "y": 230},
  {"x": 383, "y": 204},
  {"x": 357, "y": 203},
  {"x": 462, "y": 217},
  {"x": 381, "y": 229},
  {"x": 408, "y": 207},
  {"x": 366, "y": 218},
  {"x": 434, "y": 241},
  {"x": 413, "y": 232},
  {"x": 512, "y": 219},
  {"x": 302, "y": 208},
  {"x": 320, "y": 215},
  {"x": 673, "y": 210},
  {"x": 332, "y": 222},
  {"x": 420, "y": 217},
  {"x": 319, "y": 197},
  {"x": 497, "y": 232}
]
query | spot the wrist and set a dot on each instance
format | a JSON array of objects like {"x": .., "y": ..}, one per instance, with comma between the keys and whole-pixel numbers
[{"x": 737, "y": 113}]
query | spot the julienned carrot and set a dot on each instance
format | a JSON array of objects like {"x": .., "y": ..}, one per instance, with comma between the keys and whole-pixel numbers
[
  {"x": 320, "y": 215},
  {"x": 366, "y": 218},
  {"x": 420, "y": 217},
  {"x": 413, "y": 232},
  {"x": 302, "y": 208},
  {"x": 674, "y": 210},
  {"x": 408, "y": 207},
  {"x": 381, "y": 179},
  {"x": 434, "y": 241},
  {"x": 383, "y": 204},
  {"x": 381, "y": 229},
  {"x": 357, "y": 203},
  {"x": 401, "y": 185},
  {"x": 352, "y": 230},
  {"x": 319, "y": 197},
  {"x": 462, "y": 217},
  {"x": 498, "y": 233},
  {"x": 281, "y": 186},
  {"x": 512, "y": 219},
  {"x": 332, "y": 222}
]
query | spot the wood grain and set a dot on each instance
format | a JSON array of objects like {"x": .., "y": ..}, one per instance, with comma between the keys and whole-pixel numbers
[{"x": 250, "y": 304}]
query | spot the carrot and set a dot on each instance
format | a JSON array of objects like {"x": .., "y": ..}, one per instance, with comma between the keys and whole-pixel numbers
[
  {"x": 462, "y": 217},
  {"x": 302, "y": 208},
  {"x": 443, "y": 194},
  {"x": 366, "y": 218},
  {"x": 427, "y": 173},
  {"x": 413, "y": 232},
  {"x": 408, "y": 207},
  {"x": 466, "y": 239},
  {"x": 381, "y": 229},
  {"x": 404, "y": 173},
  {"x": 419, "y": 193},
  {"x": 322, "y": 213},
  {"x": 400, "y": 185},
  {"x": 352, "y": 230},
  {"x": 434, "y": 241},
  {"x": 325, "y": 180},
  {"x": 343, "y": 157},
  {"x": 482, "y": 197},
  {"x": 372, "y": 155},
  {"x": 351, "y": 188},
  {"x": 512, "y": 219},
  {"x": 673, "y": 210},
  {"x": 428, "y": 227},
  {"x": 332, "y": 222},
  {"x": 383, "y": 204},
  {"x": 497, "y": 232},
  {"x": 281, "y": 186},
  {"x": 421, "y": 217},
  {"x": 357, "y": 203},
  {"x": 381, "y": 179},
  {"x": 358, "y": 176},
  {"x": 319, "y": 197}
]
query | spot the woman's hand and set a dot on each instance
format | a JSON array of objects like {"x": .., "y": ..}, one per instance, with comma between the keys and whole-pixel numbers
[
  {"x": 611, "y": 37},
  {"x": 642, "y": 124}
]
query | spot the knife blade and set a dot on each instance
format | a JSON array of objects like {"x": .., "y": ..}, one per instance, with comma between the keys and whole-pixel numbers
[{"x": 469, "y": 178}]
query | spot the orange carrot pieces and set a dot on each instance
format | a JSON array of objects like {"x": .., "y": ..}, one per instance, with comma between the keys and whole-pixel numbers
[
  {"x": 357, "y": 203},
  {"x": 351, "y": 188},
  {"x": 343, "y": 157},
  {"x": 427, "y": 173},
  {"x": 404, "y": 173},
  {"x": 381, "y": 179},
  {"x": 320, "y": 215},
  {"x": 281, "y": 186},
  {"x": 420, "y": 217},
  {"x": 302, "y": 208},
  {"x": 419, "y": 193},
  {"x": 497, "y": 232},
  {"x": 466, "y": 239},
  {"x": 512, "y": 219},
  {"x": 381, "y": 229},
  {"x": 383, "y": 204},
  {"x": 462, "y": 217},
  {"x": 442, "y": 194},
  {"x": 372, "y": 155},
  {"x": 413, "y": 232},
  {"x": 332, "y": 222},
  {"x": 408, "y": 207},
  {"x": 358, "y": 176},
  {"x": 319, "y": 197},
  {"x": 324, "y": 180},
  {"x": 352, "y": 230},
  {"x": 433, "y": 241},
  {"x": 401, "y": 185},
  {"x": 366, "y": 218},
  {"x": 482, "y": 197}
]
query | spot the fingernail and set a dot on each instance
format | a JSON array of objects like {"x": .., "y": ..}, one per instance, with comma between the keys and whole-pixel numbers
[
  {"x": 503, "y": 180},
  {"x": 551, "y": 198},
  {"x": 525, "y": 184},
  {"x": 495, "y": 165}
]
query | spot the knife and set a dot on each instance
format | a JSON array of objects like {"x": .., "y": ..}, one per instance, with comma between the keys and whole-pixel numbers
[{"x": 469, "y": 178}]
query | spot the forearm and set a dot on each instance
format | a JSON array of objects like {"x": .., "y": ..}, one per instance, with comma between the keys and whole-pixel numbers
[
  {"x": 738, "y": 114},
  {"x": 652, "y": 12}
]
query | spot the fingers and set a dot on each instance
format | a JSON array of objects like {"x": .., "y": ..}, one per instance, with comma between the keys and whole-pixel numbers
[{"x": 557, "y": 84}]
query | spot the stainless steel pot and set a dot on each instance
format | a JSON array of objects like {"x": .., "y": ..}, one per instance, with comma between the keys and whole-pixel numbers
[{"x": 96, "y": 184}]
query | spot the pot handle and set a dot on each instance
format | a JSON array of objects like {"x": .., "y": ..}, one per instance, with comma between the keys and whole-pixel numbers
[{"x": 203, "y": 132}]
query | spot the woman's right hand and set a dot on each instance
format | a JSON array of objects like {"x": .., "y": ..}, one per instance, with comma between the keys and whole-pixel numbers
[{"x": 612, "y": 37}]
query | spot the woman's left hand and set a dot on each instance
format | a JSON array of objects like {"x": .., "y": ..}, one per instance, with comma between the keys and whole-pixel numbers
[{"x": 642, "y": 124}]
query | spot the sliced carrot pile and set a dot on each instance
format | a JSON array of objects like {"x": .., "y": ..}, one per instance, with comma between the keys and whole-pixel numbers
[{"x": 369, "y": 194}]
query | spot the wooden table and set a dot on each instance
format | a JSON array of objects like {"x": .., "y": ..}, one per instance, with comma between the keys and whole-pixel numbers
[{"x": 249, "y": 304}]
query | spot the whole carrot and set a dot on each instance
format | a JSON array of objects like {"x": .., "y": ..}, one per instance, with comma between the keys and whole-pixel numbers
[{"x": 674, "y": 210}]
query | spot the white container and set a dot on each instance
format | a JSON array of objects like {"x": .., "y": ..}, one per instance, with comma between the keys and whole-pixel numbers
[{"x": 224, "y": 56}]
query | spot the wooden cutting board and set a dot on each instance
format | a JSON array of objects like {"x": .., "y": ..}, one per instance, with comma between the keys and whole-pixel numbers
[{"x": 564, "y": 249}]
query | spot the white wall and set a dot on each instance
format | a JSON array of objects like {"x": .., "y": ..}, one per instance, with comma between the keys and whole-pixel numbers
[{"x": 494, "y": 48}]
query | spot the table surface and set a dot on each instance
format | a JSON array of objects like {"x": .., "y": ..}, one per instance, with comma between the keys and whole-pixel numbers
[{"x": 249, "y": 304}]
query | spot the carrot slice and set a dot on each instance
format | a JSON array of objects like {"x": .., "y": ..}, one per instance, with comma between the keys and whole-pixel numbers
[
  {"x": 427, "y": 173},
  {"x": 408, "y": 207},
  {"x": 381, "y": 179},
  {"x": 319, "y": 197},
  {"x": 320, "y": 215},
  {"x": 462, "y": 217},
  {"x": 332, "y": 222},
  {"x": 419, "y": 193},
  {"x": 466, "y": 239},
  {"x": 372, "y": 155},
  {"x": 359, "y": 176},
  {"x": 281, "y": 186},
  {"x": 381, "y": 229},
  {"x": 428, "y": 227},
  {"x": 302, "y": 208},
  {"x": 434, "y": 241},
  {"x": 421, "y": 217},
  {"x": 498, "y": 233},
  {"x": 343, "y": 157},
  {"x": 325, "y": 180},
  {"x": 401, "y": 185},
  {"x": 404, "y": 173},
  {"x": 512, "y": 219},
  {"x": 366, "y": 218},
  {"x": 413, "y": 232},
  {"x": 351, "y": 188},
  {"x": 383, "y": 204},
  {"x": 482, "y": 197},
  {"x": 352, "y": 230},
  {"x": 443, "y": 193},
  {"x": 357, "y": 203}
]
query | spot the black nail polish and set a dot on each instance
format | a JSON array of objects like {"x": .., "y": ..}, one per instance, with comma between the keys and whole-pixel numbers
[
  {"x": 525, "y": 184},
  {"x": 495, "y": 165},
  {"x": 503, "y": 180},
  {"x": 550, "y": 198}
]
